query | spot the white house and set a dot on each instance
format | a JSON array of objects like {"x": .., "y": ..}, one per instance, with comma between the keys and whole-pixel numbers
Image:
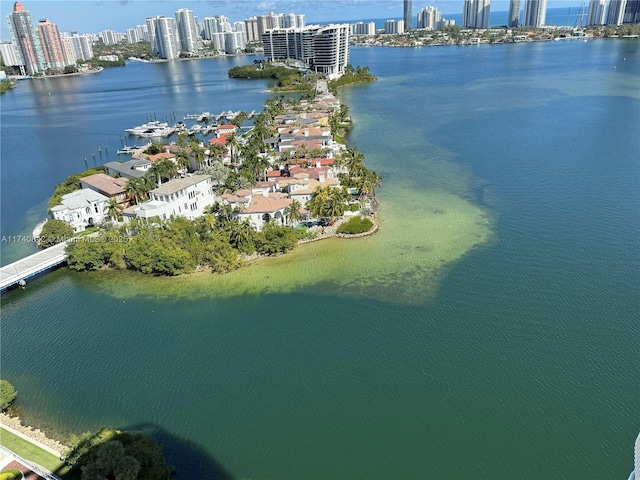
[
  {"x": 81, "y": 209},
  {"x": 182, "y": 197}
]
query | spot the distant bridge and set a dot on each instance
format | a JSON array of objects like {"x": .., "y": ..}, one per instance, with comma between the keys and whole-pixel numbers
[{"x": 34, "y": 264}]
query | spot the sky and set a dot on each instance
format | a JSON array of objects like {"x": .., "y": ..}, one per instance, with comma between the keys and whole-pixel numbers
[{"x": 89, "y": 16}]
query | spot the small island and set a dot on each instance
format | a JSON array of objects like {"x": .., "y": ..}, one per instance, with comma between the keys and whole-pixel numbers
[{"x": 249, "y": 191}]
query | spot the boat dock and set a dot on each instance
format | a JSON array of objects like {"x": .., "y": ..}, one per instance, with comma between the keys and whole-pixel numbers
[{"x": 17, "y": 273}]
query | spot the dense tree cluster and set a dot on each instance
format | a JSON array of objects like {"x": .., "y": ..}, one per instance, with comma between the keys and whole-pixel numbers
[
  {"x": 113, "y": 454},
  {"x": 54, "y": 232},
  {"x": 352, "y": 76},
  {"x": 214, "y": 241}
]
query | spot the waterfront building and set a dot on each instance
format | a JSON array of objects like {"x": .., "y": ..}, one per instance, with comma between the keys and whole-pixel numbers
[
  {"x": 69, "y": 52},
  {"x": 394, "y": 27},
  {"x": 183, "y": 197},
  {"x": 113, "y": 188},
  {"x": 362, "y": 28},
  {"x": 444, "y": 22},
  {"x": 132, "y": 35},
  {"x": 251, "y": 27},
  {"x": 234, "y": 42},
  {"x": 514, "y": 13},
  {"x": 535, "y": 13},
  {"x": 632, "y": 12},
  {"x": 163, "y": 36},
  {"x": 476, "y": 13},
  {"x": 213, "y": 25},
  {"x": 81, "y": 209},
  {"x": 407, "y": 15},
  {"x": 27, "y": 45},
  {"x": 108, "y": 37},
  {"x": 52, "y": 50},
  {"x": 597, "y": 12},
  {"x": 82, "y": 46},
  {"x": 428, "y": 18},
  {"x": 615, "y": 12},
  {"x": 187, "y": 30},
  {"x": 8, "y": 53},
  {"x": 324, "y": 49}
]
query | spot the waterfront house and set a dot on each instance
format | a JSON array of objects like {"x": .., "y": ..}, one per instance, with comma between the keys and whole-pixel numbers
[
  {"x": 81, "y": 209},
  {"x": 258, "y": 208},
  {"x": 182, "y": 197},
  {"x": 111, "y": 187},
  {"x": 135, "y": 168}
]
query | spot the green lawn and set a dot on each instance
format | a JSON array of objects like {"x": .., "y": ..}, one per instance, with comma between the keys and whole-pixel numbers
[{"x": 31, "y": 452}]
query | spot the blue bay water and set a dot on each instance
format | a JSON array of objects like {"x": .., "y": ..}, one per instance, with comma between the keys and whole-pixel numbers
[{"x": 522, "y": 364}]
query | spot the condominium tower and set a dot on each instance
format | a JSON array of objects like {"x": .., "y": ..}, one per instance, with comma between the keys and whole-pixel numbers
[
  {"x": 53, "y": 52},
  {"x": 597, "y": 12},
  {"x": 476, "y": 13},
  {"x": 514, "y": 13},
  {"x": 163, "y": 35},
  {"x": 615, "y": 12},
  {"x": 535, "y": 13},
  {"x": 188, "y": 31},
  {"x": 407, "y": 17},
  {"x": 428, "y": 18},
  {"x": 324, "y": 49},
  {"x": 27, "y": 45}
]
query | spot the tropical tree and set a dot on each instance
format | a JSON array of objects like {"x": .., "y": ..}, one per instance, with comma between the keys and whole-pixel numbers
[
  {"x": 113, "y": 209},
  {"x": 183, "y": 160},
  {"x": 135, "y": 189},
  {"x": 233, "y": 144},
  {"x": 292, "y": 212},
  {"x": 163, "y": 168},
  {"x": 7, "y": 394}
]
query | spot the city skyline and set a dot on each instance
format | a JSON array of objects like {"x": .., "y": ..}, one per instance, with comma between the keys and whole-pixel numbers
[{"x": 119, "y": 15}]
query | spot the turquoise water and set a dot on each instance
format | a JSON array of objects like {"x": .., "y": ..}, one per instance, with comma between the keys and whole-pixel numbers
[{"x": 489, "y": 330}]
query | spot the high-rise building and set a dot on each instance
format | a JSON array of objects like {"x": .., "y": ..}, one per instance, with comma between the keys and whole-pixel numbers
[
  {"x": 362, "y": 28},
  {"x": 407, "y": 15},
  {"x": 535, "y": 13},
  {"x": 597, "y": 12},
  {"x": 82, "y": 46},
  {"x": 428, "y": 18},
  {"x": 108, "y": 37},
  {"x": 52, "y": 49},
  {"x": 8, "y": 53},
  {"x": 27, "y": 45},
  {"x": 615, "y": 12},
  {"x": 476, "y": 13},
  {"x": 163, "y": 36},
  {"x": 187, "y": 30},
  {"x": 251, "y": 27},
  {"x": 69, "y": 52},
  {"x": 256, "y": 26},
  {"x": 234, "y": 42},
  {"x": 394, "y": 27},
  {"x": 324, "y": 49},
  {"x": 514, "y": 13},
  {"x": 632, "y": 12}
]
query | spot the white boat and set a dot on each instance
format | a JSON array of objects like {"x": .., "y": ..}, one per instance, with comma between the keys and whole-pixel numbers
[{"x": 146, "y": 126}]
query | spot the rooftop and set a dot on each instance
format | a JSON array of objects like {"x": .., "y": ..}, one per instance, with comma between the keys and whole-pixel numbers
[
  {"x": 105, "y": 183},
  {"x": 178, "y": 184}
]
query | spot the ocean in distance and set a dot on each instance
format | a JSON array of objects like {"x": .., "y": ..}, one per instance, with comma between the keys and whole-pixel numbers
[{"x": 489, "y": 330}]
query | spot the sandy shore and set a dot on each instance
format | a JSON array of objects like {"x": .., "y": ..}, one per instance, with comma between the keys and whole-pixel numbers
[{"x": 32, "y": 433}]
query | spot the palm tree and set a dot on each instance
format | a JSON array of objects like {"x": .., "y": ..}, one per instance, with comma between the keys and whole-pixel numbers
[
  {"x": 163, "y": 168},
  {"x": 292, "y": 212},
  {"x": 135, "y": 189},
  {"x": 233, "y": 144},
  {"x": 113, "y": 209},
  {"x": 183, "y": 160}
]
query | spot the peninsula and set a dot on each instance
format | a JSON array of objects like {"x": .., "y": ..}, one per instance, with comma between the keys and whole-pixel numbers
[{"x": 248, "y": 191}]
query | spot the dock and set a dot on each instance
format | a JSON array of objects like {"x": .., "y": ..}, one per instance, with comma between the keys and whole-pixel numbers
[{"x": 33, "y": 265}]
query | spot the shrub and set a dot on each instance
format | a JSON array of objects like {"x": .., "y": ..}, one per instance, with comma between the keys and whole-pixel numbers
[
  {"x": 11, "y": 475},
  {"x": 7, "y": 394},
  {"x": 356, "y": 225}
]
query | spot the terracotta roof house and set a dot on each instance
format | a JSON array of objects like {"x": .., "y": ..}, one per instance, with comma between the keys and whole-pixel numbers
[
  {"x": 111, "y": 187},
  {"x": 261, "y": 209}
]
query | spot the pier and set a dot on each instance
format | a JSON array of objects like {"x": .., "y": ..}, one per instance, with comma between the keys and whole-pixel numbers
[{"x": 33, "y": 265}]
